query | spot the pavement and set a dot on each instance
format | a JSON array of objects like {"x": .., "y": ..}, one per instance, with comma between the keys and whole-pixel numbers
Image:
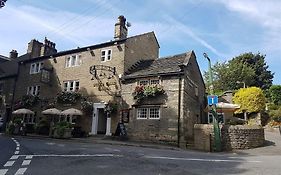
[
  {"x": 272, "y": 144},
  {"x": 110, "y": 140}
]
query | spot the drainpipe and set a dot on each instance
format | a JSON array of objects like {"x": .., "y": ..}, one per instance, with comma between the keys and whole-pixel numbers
[{"x": 179, "y": 109}]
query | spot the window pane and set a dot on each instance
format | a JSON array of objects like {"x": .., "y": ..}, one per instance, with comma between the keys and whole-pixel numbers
[
  {"x": 154, "y": 113},
  {"x": 143, "y": 82},
  {"x": 65, "y": 86},
  {"x": 32, "y": 68},
  {"x": 71, "y": 85},
  {"x": 109, "y": 55},
  {"x": 38, "y": 90},
  {"x": 73, "y": 61},
  {"x": 103, "y": 55},
  {"x": 67, "y": 62},
  {"x": 37, "y": 67},
  {"x": 153, "y": 82},
  {"x": 76, "y": 85},
  {"x": 142, "y": 113}
]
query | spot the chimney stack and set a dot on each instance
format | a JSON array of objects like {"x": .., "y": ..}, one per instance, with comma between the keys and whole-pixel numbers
[
  {"x": 13, "y": 54},
  {"x": 121, "y": 30},
  {"x": 37, "y": 49},
  {"x": 48, "y": 48}
]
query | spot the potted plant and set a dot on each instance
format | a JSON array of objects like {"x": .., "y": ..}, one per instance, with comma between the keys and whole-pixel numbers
[{"x": 62, "y": 130}]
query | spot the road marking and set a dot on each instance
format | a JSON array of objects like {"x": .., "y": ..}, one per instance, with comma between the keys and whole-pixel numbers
[
  {"x": 21, "y": 171},
  {"x": 3, "y": 171},
  {"x": 16, "y": 152},
  {"x": 18, "y": 148},
  {"x": 14, "y": 157},
  {"x": 9, "y": 163},
  {"x": 18, "y": 145},
  {"x": 202, "y": 160},
  {"x": 28, "y": 157},
  {"x": 75, "y": 155},
  {"x": 26, "y": 162}
]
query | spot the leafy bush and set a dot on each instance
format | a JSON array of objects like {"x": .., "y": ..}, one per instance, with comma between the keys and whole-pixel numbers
[
  {"x": 61, "y": 127},
  {"x": 10, "y": 128},
  {"x": 42, "y": 127},
  {"x": 68, "y": 97},
  {"x": 87, "y": 106},
  {"x": 250, "y": 100}
]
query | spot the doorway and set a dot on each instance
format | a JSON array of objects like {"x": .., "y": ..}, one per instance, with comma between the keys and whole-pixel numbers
[{"x": 101, "y": 121}]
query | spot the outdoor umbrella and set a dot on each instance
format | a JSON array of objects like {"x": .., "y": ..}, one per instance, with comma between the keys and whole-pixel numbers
[
  {"x": 227, "y": 106},
  {"x": 52, "y": 111},
  {"x": 23, "y": 111},
  {"x": 72, "y": 111}
]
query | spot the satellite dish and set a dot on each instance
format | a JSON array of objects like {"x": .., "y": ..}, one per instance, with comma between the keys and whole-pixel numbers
[{"x": 128, "y": 24}]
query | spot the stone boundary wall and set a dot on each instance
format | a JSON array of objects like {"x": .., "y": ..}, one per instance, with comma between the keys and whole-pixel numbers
[{"x": 233, "y": 137}]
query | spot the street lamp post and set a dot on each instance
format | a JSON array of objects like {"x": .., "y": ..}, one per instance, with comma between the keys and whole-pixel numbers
[{"x": 213, "y": 108}]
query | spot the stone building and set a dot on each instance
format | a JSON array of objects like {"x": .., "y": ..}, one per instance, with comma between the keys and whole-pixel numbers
[{"x": 107, "y": 76}]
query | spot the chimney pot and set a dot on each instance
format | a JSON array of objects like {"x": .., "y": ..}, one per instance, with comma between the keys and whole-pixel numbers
[{"x": 13, "y": 54}]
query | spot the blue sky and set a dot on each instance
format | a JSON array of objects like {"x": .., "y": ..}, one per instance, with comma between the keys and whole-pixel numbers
[{"x": 221, "y": 28}]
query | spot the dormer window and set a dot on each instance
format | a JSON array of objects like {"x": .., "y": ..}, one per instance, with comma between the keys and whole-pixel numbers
[
  {"x": 106, "y": 55},
  {"x": 36, "y": 67},
  {"x": 72, "y": 61}
]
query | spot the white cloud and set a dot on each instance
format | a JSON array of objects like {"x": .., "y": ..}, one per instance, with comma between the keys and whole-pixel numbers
[
  {"x": 264, "y": 13},
  {"x": 187, "y": 31}
]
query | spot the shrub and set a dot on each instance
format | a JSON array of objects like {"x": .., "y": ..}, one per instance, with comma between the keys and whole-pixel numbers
[
  {"x": 68, "y": 97},
  {"x": 60, "y": 127}
]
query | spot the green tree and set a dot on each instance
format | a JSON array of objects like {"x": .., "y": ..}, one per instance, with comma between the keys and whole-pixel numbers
[
  {"x": 248, "y": 68},
  {"x": 262, "y": 76},
  {"x": 250, "y": 100},
  {"x": 275, "y": 94}
]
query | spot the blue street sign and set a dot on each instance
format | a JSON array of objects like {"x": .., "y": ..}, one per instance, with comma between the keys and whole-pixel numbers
[{"x": 212, "y": 99}]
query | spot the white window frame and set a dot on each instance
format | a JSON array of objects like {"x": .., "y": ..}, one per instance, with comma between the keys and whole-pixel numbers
[
  {"x": 35, "y": 68},
  {"x": 106, "y": 55},
  {"x": 73, "y": 61},
  {"x": 33, "y": 90},
  {"x": 68, "y": 87},
  {"x": 148, "y": 113}
]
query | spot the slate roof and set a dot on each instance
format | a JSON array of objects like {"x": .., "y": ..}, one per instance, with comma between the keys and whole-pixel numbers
[
  {"x": 3, "y": 58},
  {"x": 161, "y": 66},
  {"x": 10, "y": 68},
  {"x": 96, "y": 46}
]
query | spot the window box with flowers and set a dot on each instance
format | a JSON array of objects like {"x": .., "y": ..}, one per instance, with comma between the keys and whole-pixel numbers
[{"x": 142, "y": 92}]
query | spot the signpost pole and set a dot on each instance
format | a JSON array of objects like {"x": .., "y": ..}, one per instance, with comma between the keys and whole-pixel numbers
[{"x": 217, "y": 134}]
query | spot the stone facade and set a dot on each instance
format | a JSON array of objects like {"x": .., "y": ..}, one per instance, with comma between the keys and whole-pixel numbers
[
  {"x": 232, "y": 136},
  {"x": 114, "y": 80}
]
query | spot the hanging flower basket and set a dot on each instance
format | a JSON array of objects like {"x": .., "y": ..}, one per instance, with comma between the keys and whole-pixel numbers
[{"x": 141, "y": 92}]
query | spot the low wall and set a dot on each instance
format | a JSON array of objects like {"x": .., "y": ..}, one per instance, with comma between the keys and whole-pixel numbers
[{"x": 232, "y": 136}]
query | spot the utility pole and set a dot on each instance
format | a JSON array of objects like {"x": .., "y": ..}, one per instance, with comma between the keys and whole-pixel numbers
[{"x": 213, "y": 110}]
